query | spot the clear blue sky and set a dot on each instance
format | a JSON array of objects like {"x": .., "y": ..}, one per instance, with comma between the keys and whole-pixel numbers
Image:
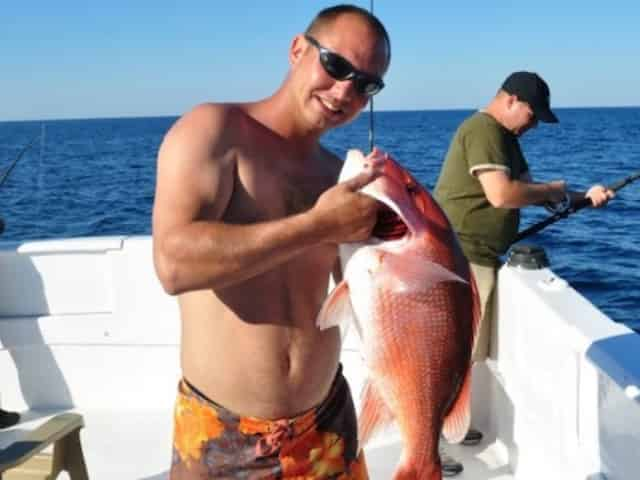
[{"x": 77, "y": 59}]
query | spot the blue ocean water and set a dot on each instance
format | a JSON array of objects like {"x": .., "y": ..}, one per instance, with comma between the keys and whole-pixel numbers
[{"x": 96, "y": 177}]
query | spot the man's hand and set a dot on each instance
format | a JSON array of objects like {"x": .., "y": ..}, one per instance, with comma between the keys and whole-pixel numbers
[
  {"x": 348, "y": 214},
  {"x": 599, "y": 195}
]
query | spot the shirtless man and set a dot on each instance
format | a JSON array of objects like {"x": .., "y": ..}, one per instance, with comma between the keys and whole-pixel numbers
[{"x": 246, "y": 223}]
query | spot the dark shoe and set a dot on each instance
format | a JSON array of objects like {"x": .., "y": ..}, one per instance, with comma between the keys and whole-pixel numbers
[
  {"x": 473, "y": 437},
  {"x": 7, "y": 419},
  {"x": 450, "y": 466}
]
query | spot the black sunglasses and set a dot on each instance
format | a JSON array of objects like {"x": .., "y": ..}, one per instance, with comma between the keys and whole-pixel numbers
[{"x": 340, "y": 68}]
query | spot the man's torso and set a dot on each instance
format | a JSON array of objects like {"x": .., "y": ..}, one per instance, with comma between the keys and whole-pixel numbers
[
  {"x": 485, "y": 232},
  {"x": 253, "y": 347}
]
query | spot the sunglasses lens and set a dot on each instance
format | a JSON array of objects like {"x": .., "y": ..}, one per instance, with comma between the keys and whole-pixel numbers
[
  {"x": 336, "y": 66},
  {"x": 367, "y": 86}
]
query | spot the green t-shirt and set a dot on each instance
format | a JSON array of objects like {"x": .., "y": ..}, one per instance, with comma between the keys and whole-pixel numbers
[{"x": 484, "y": 231}]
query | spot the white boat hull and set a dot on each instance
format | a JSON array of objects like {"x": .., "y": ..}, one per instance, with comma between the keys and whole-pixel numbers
[{"x": 85, "y": 325}]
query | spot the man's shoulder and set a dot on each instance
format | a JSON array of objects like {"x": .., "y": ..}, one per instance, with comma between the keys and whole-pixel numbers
[
  {"x": 480, "y": 121},
  {"x": 481, "y": 127},
  {"x": 206, "y": 116},
  {"x": 207, "y": 125}
]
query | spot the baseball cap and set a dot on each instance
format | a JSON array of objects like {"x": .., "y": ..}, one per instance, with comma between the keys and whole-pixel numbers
[{"x": 531, "y": 88}]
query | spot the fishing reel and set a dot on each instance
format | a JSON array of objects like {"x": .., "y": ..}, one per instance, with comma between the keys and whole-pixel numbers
[{"x": 559, "y": 207}]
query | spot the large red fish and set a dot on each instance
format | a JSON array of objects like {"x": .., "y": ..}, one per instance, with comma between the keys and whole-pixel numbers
[{"x": 413, "y": 300}]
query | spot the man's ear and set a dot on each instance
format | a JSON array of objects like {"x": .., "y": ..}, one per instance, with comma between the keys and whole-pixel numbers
[
  {"x": 511, "y": 100},
  {"x": 297, "y": 48}
]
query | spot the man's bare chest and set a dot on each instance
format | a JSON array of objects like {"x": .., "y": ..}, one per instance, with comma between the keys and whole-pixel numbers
[
  {"x": 299, "y": 194},
  {"x": 273, "y": 194}
]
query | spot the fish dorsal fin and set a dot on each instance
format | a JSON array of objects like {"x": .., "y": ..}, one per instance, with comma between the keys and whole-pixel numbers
[
  {"x": 456, "y": 423},
  {"x": 476, "y": 309},
  {"x": 374, "y": 414},
  {"x": 410, "y": 272},
  {"x": 336, "y": 309}
]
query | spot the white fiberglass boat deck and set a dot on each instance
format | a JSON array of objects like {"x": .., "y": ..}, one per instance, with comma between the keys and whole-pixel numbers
[{"x": 85, "y": 326}]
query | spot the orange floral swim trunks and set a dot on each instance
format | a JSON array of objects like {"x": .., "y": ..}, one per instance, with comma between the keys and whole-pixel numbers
[{"x": 210, "y": 442}]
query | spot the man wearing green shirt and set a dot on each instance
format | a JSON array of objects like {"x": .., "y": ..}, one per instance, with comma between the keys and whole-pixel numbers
[{"x": 485, "y": 180}]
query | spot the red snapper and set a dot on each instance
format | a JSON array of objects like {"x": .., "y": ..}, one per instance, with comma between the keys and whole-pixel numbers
[{"x": 412, "y": 297}]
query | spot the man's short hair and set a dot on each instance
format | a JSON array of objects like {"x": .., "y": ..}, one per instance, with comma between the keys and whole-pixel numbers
[{"x": 328, "y": 15}]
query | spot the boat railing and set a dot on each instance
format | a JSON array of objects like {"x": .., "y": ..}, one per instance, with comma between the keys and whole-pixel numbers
[{"x": 562, "y": 386}]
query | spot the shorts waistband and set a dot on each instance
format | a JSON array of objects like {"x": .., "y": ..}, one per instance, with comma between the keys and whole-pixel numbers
[{"x": 336, "y": 395}]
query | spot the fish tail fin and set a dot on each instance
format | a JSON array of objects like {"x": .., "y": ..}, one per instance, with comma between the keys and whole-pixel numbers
[
  {"x": 456, "y": 423},
  {"x": 374, "y": 414},
  {"x": 404, "y": 472},
  {"x": 409, "y": 470},
  {"x": 336, "y": 309}
]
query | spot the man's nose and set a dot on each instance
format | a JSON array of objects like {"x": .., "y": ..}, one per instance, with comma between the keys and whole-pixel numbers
[{"x": 344, "y": 90}]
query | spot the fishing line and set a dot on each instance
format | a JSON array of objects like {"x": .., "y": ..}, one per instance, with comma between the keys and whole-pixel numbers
[
  {"x": 573, "y": 208},
  {"x": 371, "y": 103}
]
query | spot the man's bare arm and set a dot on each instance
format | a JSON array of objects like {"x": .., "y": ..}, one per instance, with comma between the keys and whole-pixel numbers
[
  {"x": 196, "y": 173},
  {"x": 503, "y": 192}
]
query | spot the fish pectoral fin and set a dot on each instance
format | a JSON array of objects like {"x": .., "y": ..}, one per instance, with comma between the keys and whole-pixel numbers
[
  {"x": 413, "y": 273},
  {"x": 458, "y": 419},
  {"x": 336, "y": 309},
  {"x": 374, "y": 414}
]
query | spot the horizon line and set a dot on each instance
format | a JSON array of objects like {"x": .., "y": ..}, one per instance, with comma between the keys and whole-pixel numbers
[{"x": 365, "y": 111}]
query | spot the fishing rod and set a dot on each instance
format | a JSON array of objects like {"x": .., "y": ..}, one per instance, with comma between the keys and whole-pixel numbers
[
  {"x": 15, "y": 161},
  {"x": 8, "y": 171},
  {"x": 572, "y": 208}
]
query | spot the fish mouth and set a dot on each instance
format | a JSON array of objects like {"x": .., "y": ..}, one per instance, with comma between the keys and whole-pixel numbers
[{"x": 389, "y": 225}]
